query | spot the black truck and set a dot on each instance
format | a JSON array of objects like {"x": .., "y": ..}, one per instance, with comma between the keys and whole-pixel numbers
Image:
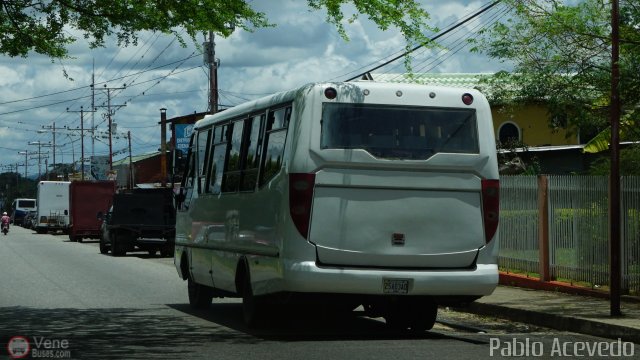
[{"x": 140, "y": 220}]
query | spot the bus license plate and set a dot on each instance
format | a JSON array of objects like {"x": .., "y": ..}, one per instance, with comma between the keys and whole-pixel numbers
[{"x": 395, "y": 286}]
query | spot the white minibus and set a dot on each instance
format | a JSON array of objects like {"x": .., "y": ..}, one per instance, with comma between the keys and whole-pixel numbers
[
  {"x": 351, "y": 194},
  {"x": 20, "y": 208}
]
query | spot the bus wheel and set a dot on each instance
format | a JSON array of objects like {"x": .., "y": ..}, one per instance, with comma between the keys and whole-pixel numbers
[
  {"x": 252, "y": 306},
  {"x": 424, "y": 317},
  {"x": 199, "y": 295},
  {"x": 411, "y": 314}
]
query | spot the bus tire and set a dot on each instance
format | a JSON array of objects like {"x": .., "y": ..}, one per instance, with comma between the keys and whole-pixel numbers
[
  {"x": 424, "y": 317},
  {"x": 200, "y": 296},
  {"x": 252, "y": 306},
  {"x": 411, "y": 314}
]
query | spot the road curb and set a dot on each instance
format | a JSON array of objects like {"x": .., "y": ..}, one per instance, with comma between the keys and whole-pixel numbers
[
  {"x": 526, "y": 282},
  {"x": 557, "y": 322}
]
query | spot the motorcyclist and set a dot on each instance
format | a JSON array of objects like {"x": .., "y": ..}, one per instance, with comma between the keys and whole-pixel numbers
[{"x": 5, "y": 220}]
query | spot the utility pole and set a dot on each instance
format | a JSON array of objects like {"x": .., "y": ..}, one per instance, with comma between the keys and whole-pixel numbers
[
  {"x": 614, "y": 178},
  {"x": 26, "y": 153},
  {"x": 52, "y": 127},
  {"x": 130, "y": 162},
  {"x": 111, "y": 110},
  {"x": 210, "y": 59},
  {"x": 93, "y": 107},
  {"x": 81, "y": 138},
  {"x": 163, "y": 147},
  {"x": 40, "y": 144}
]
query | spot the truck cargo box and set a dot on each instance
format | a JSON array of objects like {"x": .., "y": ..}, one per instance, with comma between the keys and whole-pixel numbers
[{"x": 87, "y": 199}]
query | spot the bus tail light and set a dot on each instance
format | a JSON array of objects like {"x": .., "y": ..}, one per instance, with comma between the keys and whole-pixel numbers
[
  {"x": 467, "y": 99},
  {"x": 300, "y": 199},
  {"x": 490, "y": 207}
]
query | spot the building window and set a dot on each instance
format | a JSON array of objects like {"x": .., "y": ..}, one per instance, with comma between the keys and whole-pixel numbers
[{"x": 509, "y": 132}]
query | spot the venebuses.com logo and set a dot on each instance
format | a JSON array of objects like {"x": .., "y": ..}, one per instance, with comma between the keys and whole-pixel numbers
[{"x": 19, "y": 347}]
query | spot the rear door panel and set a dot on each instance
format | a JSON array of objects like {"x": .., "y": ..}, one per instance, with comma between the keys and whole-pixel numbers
[{"x": 426, "y": 221}]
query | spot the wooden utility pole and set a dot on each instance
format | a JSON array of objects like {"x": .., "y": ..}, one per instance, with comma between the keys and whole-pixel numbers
[
  {"x": 210, "y": 59},
  {"x": 614, "y": 178},
  {"x": 163, "y": 147},
  {"x": 130, "y": 162}
]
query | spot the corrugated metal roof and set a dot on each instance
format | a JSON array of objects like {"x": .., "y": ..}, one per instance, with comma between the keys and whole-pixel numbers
[
  {"x": 463, "y": 80},
  {"x": 135, "y": 158}
]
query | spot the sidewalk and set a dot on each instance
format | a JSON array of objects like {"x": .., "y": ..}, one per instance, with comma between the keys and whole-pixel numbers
[{"x": 561, "y": 311}]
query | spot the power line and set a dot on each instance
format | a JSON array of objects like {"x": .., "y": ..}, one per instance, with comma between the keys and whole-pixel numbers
[
  {"x": 478, "y": 13},
  {"x": 99, "y": 83},
  {"x": 460, "y": 43}
]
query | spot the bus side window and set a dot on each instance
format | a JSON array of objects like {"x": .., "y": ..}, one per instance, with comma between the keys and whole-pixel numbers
[
  {"x": 231, "y": 180},
  {"x": 275, "y": 139},
  {"x": 218, "y": 158},
  {"x": 252, "y": 149},
  {"x": 188, "y": 180},
  {"x": 203, "y": 150}
]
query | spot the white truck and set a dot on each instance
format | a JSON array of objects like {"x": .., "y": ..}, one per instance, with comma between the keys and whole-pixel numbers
[{"x": 53, "y": 206}]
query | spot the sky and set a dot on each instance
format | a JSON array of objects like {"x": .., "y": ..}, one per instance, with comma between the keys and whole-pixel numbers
[{"x": 36, "y": 96}]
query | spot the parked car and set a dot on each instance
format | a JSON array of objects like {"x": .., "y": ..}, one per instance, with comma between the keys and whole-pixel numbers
[{"x": 140, "y": 220}]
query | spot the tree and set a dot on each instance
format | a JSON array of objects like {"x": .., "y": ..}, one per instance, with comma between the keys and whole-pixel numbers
[
  {"x": 561, "y": 56},
  {"x": 42, "y": 25}
]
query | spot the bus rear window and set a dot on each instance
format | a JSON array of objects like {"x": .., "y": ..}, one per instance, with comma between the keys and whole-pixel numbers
[
  {"x": 399, "y": 132},
  {"x": 26, "y": 203}
]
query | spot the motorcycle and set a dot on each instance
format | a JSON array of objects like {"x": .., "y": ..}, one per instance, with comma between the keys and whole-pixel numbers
[{"x": 5, "y": 228}]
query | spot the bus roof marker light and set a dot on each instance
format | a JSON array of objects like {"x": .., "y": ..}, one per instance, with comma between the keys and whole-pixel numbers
[
  {"x": 365, "y": 92},
  {"x": 432, "y": 95},
  {"x": 467, "y": 99},
  {"x": 398, "y": 93},
  {"x": 330, "y": 93}
]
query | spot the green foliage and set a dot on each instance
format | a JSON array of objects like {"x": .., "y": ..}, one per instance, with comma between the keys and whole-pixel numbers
[
  {"x": 562, "y": 58},
  {"x": 43, "y": 26},
  {"x": 13, "y": 185},
  {"x": 629, "y": 163}
]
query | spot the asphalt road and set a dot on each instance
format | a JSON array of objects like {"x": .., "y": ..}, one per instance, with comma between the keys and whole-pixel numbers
[{"x": 93, "y": 306}]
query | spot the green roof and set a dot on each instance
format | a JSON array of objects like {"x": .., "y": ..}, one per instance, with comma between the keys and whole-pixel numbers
[{"x": 470, "y": 80}]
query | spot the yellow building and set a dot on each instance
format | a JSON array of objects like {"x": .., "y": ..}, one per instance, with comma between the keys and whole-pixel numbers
[{"x": 528, "y": 124}]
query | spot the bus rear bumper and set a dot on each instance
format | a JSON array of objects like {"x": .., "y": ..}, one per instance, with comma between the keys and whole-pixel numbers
[{"x": 309, "y": 277}]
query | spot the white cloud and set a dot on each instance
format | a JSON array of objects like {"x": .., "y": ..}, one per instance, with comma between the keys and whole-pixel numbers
[{"x": 302, "y": 48}]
